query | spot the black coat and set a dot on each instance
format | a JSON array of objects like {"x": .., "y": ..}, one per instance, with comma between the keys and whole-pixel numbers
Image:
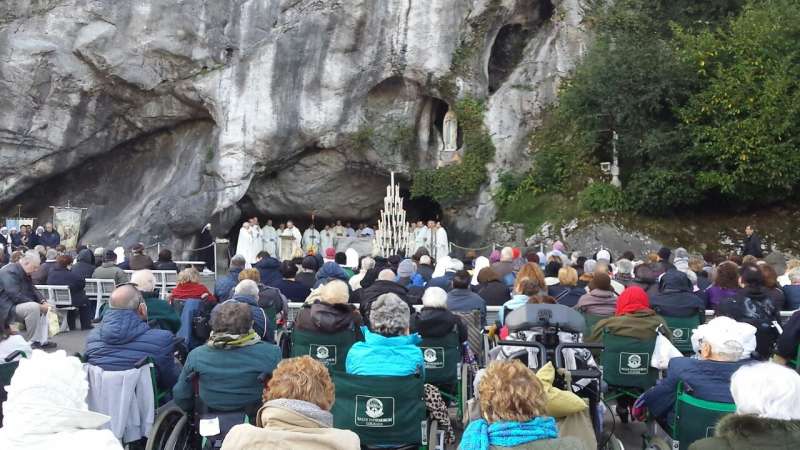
[
  {"x": 437, "y": 322},
  {"x": 675, "y": 297},
  {"x": 494, "y": 293},
  {"x": 84, "y": 268},
  {"x": 426, "y": 271},
  {"x": 754, "y": 306},
  {"x": 378, "y": 288},
  {"x": 15, "y": 287},
  {"x": 752, "y": 246},
  {"x": 60, "y": 276},
  {"x": 327, "y": 318},
  {"x": 308, "y": 279},
  {"x": 165, "y": 265}
]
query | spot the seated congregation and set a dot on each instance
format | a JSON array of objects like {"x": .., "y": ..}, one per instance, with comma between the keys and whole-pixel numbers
[{"x": 517, "y": 349}]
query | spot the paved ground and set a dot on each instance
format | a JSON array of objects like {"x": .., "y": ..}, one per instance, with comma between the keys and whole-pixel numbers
[{"x": 630, "y": 434}]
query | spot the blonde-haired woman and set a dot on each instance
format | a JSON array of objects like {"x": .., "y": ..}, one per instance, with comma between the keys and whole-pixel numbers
[
  {"x": 513, "y": 402},
  {"x": 190, "y": 288},
  {"x": 326, "y": 310},
  {"x": 296, "y": 414}
]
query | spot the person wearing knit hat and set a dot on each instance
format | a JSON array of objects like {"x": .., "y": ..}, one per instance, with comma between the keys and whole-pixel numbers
[
  {"x": 330, "y": 254},
  {"x": 723, "y": 346},
  {"x": 632, "y": 318},
  {"x": 494, "y": 256}
]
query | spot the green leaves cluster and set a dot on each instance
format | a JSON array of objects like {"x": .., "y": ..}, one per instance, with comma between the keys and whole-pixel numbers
[
  {"x": 705, "y": 99},
  {"x": 449, "y": 184}
]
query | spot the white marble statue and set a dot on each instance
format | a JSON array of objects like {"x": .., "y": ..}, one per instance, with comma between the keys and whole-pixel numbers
[{"x": 450, "y": 132}]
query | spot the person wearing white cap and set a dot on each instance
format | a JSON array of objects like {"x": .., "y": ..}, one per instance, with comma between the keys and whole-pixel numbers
[
  {"x": 723, "y": 346},
  {"x": 46, "y": 408}
]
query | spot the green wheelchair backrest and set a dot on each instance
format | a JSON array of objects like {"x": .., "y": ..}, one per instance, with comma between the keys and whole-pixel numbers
[
  {"x": 626, "y": 361},
  {"x": 442, "y": 356},
  {"x": 591, "y": 321},
  {"x": 381, "y": 410},
  {"x": 695, "y": 419},
  {"x": 329, "y": 349},
  {"x": 681, "y": 328},
  {"x": 7, "y": 370}
]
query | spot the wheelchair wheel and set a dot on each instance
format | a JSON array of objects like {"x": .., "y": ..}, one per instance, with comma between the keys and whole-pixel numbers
[
  {"x": 181, "y": 437},
  {"x": 433, "y": 431},
  {"x": 162, "y": 428}
]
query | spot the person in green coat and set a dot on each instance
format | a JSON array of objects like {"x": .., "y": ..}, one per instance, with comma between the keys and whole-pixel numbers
[
  {"x": 632, "y": 318},
  {"x": 159, "y": 313},
  {"x": 767, "y": 397},
  {"x": 233, "y": 365}
]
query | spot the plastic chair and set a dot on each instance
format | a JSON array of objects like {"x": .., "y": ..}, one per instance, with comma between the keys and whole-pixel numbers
[
  {"x": 382, "y": 410},
  {"x": 329, "y": 349}
]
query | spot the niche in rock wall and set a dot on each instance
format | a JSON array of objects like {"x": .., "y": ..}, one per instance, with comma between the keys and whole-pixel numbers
[{"x": 509, "y": 44}]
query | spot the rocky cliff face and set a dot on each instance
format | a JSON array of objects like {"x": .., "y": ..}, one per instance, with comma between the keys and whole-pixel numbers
[{"x": 157, "y": 115}]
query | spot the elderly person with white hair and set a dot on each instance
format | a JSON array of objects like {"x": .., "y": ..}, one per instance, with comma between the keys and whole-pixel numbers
[
  {"x": 247, "y": 292},
  {"x": 367, "y": 263},
  {"x": 159, "y": 313},
  {"x": 385, "y": 284},
  {"x": 387, "y": 349},
  {"x": 326, "y": 310},
  {"x": 47, "y": 408},
  {"x": 767, "y": 398},
  {"x": 624, "y": 272},
  {"x": 506, "y": 264},
  {"x": 723, "y": 345},
  {"x": 19, "y": 299},
  {"x": 446, "y": 269},
  {"x": 434, "y": 320}
]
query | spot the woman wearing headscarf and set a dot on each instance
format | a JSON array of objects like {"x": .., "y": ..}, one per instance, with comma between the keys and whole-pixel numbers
[
  {"x": 479, "y": 264},
  {"x": 632, "y": 318},
  {"x": 723, "y": 345}
]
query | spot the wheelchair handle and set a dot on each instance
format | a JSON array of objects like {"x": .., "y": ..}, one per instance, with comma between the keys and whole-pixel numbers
[
  {"x": 539, "y": 345},
  {"x": 13, "y": 355},
  {"x": 562, "y": 346}
]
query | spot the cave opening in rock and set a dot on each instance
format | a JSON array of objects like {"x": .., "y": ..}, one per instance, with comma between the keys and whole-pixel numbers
[
  {"x": 509, "y": 44},
  {"x": 421, "y": 208}
]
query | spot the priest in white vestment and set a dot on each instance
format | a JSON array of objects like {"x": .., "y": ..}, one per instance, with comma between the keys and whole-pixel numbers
[
  {"x": 255, "y": 229},
  {"x": 244, "y": 245},
  {"x": 292, "y": 231},
  {"x": 311, "y": 239},
  {"x": 420, "y": 236},
  {"x": 442, "y": 245},
  {"x": 269, "y": 238},
  {"x": 326, "y": 239}
]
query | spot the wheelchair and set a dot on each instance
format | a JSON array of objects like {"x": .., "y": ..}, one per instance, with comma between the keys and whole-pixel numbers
[
  {"x": 329, "y": 349},
  {"x": 554, "y": 334},
  {"x": 383, "y": 411},
  {"x": 694, "y": 419},
  {"x": 175, "y": 429},
  {"x": 681, "y": 328},
  {"x": 445, "y": 368},
  {"x": 626, "y": 369},
  {"x": 7, "y": 369}
]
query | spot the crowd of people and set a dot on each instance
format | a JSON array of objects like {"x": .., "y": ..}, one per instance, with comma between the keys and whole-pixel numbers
[{"x": 240, "y": 367}]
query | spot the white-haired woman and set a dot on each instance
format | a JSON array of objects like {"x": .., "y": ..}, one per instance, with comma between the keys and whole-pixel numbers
[
  {"x": 327, "y": 311},
  {"x": 159, "y": 313},
  {"x": 767, "y": 397},
  {"x": 723, "y": 345},
  {"x": 387, "y": 348},
  {"x": 434, "y": 320}
]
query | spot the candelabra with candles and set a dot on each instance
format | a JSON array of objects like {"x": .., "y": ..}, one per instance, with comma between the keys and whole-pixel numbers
[{"x": 393, "y": 231}]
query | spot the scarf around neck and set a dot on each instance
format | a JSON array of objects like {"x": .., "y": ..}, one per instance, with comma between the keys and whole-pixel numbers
[
  {"x": 303, "y": 408},
  {"x": 226, "y": 340},
  {"x": 479, "y": 434}
]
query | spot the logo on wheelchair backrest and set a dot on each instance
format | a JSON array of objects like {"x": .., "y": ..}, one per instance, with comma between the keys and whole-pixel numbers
[
  {"x": 430, "y": 355},
  {"x": 326, "y": 354},
  {"x": 374, "y": 408},
  {"x": 677, "y": 333},
  {"x": 374, "y": 411},
  {"x": 434, "y": 357},
  {"x": 634, "y": 363}
]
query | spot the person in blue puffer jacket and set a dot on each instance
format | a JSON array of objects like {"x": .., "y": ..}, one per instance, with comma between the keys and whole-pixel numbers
[
  {"x": 247, "y": 292},
  {"x": 269, "y": 268},
  {"x": 223, "y": 289},
  {"x": 388, "y": 349},
  {"x": 123, "y": 338}
]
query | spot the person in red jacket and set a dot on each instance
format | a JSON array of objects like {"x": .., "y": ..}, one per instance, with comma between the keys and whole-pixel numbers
[{"x": 190, "y": 288}]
